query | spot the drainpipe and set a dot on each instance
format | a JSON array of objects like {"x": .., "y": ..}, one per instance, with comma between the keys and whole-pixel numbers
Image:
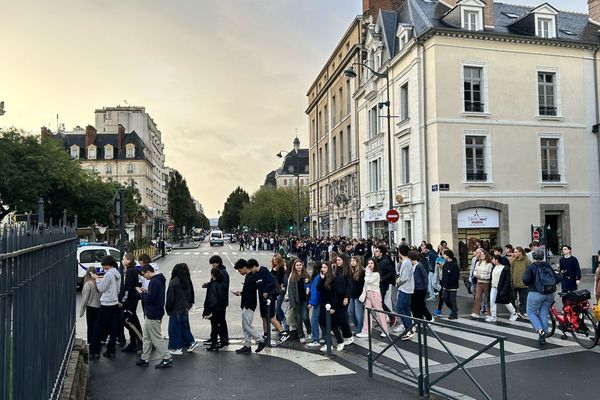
[
  {"x": 596, "y": 127},
  {"x": 426, "y": 157}
]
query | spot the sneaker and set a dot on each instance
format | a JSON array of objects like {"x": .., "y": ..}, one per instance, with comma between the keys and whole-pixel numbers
[
  {"x": 438, "y": 313},
  {"x": 491, "y": 318},
  {"x": 432, "y": 298},
  {"x": 261, "y": 346},
  {"x": 223, "y": 343},
  {"x": 284, "y": 336},
  {"x": 302, "y": 340},
  {"x": 542, "y": 338},
  {"x": 382, "y": 334},
  {"x": 130, "y": 348},
  {"x": 321, "y": 341},
  {"x": 340, "y": 347},
  {"x": 314, "y": 344},
  {"x": 453, "y": 317},
  {"x": 244, "y": 349},
  {"x": 207, "y": 342},
  {"x": 513, "y": 317},
  {"x": 108, "y": 354},
  {"x": 323, "y": 348},
  {"x": 193, "y": 346},
  {"x": 519, "y": 315},
  {"x": 362, "y": 335},
  {"x": 142, "y": 363},
  {"x": 473, "y": 315},
  {"x": 164, "y": 364},
  {"x": 408, "y": 335},
  {"x": 349, "y": 341}
]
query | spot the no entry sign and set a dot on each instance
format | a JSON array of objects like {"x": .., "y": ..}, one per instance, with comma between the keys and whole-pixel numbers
[{"x": 392, "y": 216}]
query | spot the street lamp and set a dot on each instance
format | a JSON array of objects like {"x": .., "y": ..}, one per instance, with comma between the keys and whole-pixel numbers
[
  {"x": 297, "y": 173},
  {"x": 352, "y": 74}
]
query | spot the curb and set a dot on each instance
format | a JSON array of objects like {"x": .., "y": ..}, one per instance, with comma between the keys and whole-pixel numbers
[{"x": 75, "y": 386}]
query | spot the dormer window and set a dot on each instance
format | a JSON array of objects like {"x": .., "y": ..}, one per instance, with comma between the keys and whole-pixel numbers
[
  {"x": 472, "y": 19},
  {"x": 75, "y": 151},
  {"x": 92, "y": 152},
  {"x": 545, "y": 27},
  {"x": 108, "y": 152},
  {"x": 130, "y": 151}
]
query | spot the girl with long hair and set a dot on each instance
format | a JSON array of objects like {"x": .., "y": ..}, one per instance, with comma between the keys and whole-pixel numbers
[
  {"x": 326, "y": 288},
  {"x": 356, "y": 310},
  {"x": 90, "y": 302},
  {"x": 313, "y": 305},
  {"x": 297, "y": 293},
  {"x": 180, "y": 298},
  {"x": 371, "y": 297},
  {"x": 343, "y": 290},
  {"x": 129, "y": 299}
]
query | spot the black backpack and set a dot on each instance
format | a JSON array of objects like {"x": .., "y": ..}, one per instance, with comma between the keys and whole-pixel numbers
[{"x": 547, "y": 278}]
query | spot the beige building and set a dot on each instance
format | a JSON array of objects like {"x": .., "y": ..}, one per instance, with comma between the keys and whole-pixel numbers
[
  {"x": 494, "y": 124},
  {"x": 334, "y": 184}
]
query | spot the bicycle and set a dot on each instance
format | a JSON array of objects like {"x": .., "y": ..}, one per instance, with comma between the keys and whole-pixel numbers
[{"x": 576, "y": 319}]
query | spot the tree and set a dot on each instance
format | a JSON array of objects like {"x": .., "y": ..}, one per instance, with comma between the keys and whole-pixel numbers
[
  {"x": 181, "y": 205},
  {"x": 271, "y": 209},
  {"x": 230, "y": 219}
]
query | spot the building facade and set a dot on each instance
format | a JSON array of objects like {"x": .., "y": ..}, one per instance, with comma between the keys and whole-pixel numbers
[
  {"x": 494, "y": 116},
  {"x": 334, "y": 162}
]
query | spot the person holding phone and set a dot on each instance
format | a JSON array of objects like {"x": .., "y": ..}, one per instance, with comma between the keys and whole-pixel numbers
[{"x": 248, "y": 305}]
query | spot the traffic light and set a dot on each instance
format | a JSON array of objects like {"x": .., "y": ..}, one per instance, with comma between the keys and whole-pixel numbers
[{"x": 291, "y": 225}]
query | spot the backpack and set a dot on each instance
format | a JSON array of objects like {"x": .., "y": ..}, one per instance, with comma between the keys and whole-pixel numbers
[{"x": 546, "y": 278}]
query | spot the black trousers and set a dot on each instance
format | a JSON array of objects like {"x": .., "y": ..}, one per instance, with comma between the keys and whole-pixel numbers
[
  {"x": 335, "y": 326},
  {"x": 106, "y": 323},
  {"x": 418, "y": 306},
  {"x": 218, "y": 327},
  {"x": 344, "y": 322},
  {"x": 131, "y": 321},
  {"x": 91, "y": 313},
  {"x": 450, "y": 300},
  {"x": 383, "y": 288}
]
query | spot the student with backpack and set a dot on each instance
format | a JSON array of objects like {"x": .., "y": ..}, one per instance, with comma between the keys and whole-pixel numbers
[{"x": 542, "y": 280}]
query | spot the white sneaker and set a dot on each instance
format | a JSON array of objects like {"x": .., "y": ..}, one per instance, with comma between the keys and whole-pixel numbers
[
  {"x": 302, "y": 340},
  {"x": 382, "y": 334},
  {"x": 408, "y": 335},
  {"x": 362, "y": 335},
  {"x": 513, "y": 317},
  {"x": 340, "y": 347},
  {"x": 314, "y": 344},
  {"x": 176, "y": 352},
  {"x": 349, "y": 341},
  {"x": 193, "y": 346},
  {"x": 491, "y": 318},
  {"x": 473, "y": 315},
  {"x": 323, "y": 348}
]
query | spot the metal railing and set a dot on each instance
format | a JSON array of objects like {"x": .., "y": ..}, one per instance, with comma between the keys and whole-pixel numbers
[
  {"x": 420, "y": 375},
  {"x": 37, "y": 308}
]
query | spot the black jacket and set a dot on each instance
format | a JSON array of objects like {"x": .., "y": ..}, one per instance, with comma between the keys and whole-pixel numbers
[
  {"x": 128, "y": 294},
  {"x": 357, "y": 286},
  {"x": 450, "y": 275},
  {"x": 249, "y": 298},
  {"x": 225, "y": 283},
  {"x": 387, "y": 271},
  {"x": 327, "y": 296},
  {"x": 216, "y": 296},
  {"x": 505, "y": 287},
  {"x": 179, "y": 300},
  {"x": 343, "y": 285}
]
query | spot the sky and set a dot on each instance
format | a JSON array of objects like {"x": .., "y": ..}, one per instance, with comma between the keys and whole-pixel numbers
[{"x": 225, "y": 81}]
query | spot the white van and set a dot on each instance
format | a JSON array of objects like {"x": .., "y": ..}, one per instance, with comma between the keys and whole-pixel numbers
[
  {"x": 216, "y": 238},
  {"x": 89, "y": 256}
]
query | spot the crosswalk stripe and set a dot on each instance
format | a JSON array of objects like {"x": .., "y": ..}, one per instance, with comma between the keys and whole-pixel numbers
[
  {"x": 205, "y": 253},
  {"x": 196, "y": 254},
  {"x": 186, "y": 254},
  {"x": 378, "y": 346},
  {"x": 508, "y": 345}
]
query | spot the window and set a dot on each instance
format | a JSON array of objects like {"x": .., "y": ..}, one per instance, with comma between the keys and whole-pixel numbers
[
  {"x": 334, "y": 153},
  {"x": 326, "y": 158},
  {"x": 92, "y": 152},
  {"x": 349, "y": 141},
  {"x": 404, "y": 102},
  {"x": 108, "y": 169},
  {"x": 341, "y": 148},
  {"x": 333, "y": 110},
  {"x": 375, "y": 175},
  {"x": 348, "y": 97},
  {"x": 373, "y": 122},
  {"x": 544, "y": 27},
  {"x": 130, "y": 151},
  {"x": 326, "y": 120},
  {"x": 473, "y": 89},
  {"x": 320, "y": 162},
  {"x": 314, "y": 166},
  {"x": 130, "y": 168},
  {"x": 472, "y": 20},
  {"x": 408, "y": 231},
  {"x": 74, "y": 151},
  {"x": 285, "y": 182},
  {"x": 405, "y": 160},
  {"x": 341, "y": 109},
  {"x": 475, "y": 164},
  {"x": 108, "y": 152},
  {"x": 320, "y": 123},
  {"x": 547, "y": 93},
  {"x": 107, "y": 115},
  {"x": 549, "y": 148}
]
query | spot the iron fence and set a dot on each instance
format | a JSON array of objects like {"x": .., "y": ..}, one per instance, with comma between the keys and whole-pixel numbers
[{"x": 37, "y": 308}]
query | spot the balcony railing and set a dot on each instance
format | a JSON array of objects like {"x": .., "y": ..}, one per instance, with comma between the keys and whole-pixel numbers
[
  {"x": 547, "y": 110},
  {"x": 477, "y": 176},
  {"x": 474, "y": 106},
  {"x": 550, "y": 177}
]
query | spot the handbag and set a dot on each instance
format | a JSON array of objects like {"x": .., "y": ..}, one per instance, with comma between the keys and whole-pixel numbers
[{"x": 596, "y": 311}]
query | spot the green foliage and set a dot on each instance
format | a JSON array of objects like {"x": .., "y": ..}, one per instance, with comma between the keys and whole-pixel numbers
[
  {"x": 32, "y": 169},
  {"x": 272, "y": 209},
  {"x": 181, "y": 206},
  {"x": 230, "y": 219}
]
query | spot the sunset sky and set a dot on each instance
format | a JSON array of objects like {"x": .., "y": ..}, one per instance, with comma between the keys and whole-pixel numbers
[{"x": 225, "y": 81}]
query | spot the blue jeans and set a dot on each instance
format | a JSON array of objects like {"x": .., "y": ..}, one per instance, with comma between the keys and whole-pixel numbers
[
  {"x": 356, "y": 313},
  {"x": 314, "y": 323},
  {"x": 538, "y": 309},
  {"x": 403, "y": 308},
  {"x": 430, "y": 279},
  {"x": 179, "y": 330}
]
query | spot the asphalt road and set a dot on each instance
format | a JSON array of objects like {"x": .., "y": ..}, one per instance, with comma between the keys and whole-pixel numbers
[{"x": 559, "y": 370}]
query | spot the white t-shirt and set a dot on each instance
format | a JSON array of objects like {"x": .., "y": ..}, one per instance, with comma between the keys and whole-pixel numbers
[{"x": 407, "y": 275}]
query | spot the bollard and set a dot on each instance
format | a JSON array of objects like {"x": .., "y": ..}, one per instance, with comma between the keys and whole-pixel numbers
[
  {"x": 268, "y": 332},
  {"x": 328, "y": 328}
]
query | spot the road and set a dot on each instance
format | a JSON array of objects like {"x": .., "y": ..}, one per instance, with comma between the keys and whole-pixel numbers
[{"x": 558, "y": 370}]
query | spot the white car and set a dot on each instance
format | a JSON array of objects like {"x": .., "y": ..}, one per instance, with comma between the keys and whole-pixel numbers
[
  {"x": 89, "y": 256},
  {"x": 216, "y": 238}
]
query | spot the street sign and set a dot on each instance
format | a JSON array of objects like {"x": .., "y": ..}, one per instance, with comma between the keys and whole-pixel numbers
[
  {"x": 536, "y": 235},
  {"x": 392, "y": 216},
  {"x": 171, "y": 227}
]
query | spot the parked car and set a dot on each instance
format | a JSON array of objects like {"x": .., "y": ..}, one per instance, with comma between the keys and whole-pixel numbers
[
  {"x": 216, "y": 238},
  {"x": 89, "y": 256}
]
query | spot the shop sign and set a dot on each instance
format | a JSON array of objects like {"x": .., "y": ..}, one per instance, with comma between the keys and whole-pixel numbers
[
  {"x": 479, "y": 218},
  {"x": 375, "y": 215}
]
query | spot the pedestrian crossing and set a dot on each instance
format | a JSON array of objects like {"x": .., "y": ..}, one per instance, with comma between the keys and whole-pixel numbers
[
  {"x": 225, "y": 253},
  {"x": 521, "y": 343}
]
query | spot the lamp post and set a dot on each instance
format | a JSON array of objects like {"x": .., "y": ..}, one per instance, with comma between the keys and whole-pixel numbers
[
  {"x": 297, "y": 173},
  {"x": 352, "y": 74}
]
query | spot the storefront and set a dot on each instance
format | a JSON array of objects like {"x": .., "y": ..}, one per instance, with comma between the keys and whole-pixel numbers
[
  {"x": 477, "y": 227},
  {"x": 375, "y": 224}
]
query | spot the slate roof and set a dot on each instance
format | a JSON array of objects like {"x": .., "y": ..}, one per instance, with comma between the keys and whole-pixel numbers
[
  {"x": 270, "y": 179},
  {"x": 289, "y": 163},
  {"x": 425, "y": 15},
  {"x": 102, "y": 139}
]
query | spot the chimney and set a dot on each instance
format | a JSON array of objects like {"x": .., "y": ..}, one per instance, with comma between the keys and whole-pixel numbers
[
  {"x": 120, "y": 139},
  {"x": 488, "y": 14},
  {"x": 90, "y": 135},
  {"x": 372, "y": 7},
  {"x": 45, "y": 133},
  {"x": 594, "y": 11},
  {"x": 449, "y": 3}
]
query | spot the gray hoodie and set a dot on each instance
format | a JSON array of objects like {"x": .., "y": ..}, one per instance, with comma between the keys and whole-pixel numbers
[{"x": 109, "y": 287}]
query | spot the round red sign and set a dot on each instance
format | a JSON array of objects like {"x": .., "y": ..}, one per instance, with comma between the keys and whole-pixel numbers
[
  {"x": 392, "y": 216},
  {"x": 171, "y": 227},
  {"x": 536, "y": 235}
]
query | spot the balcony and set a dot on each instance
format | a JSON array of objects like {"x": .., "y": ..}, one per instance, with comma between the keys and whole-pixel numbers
[
  {"x": 375, "y": 199},
  {"x": 375, "y": 143},
  {"x": 370, "y": 89}
]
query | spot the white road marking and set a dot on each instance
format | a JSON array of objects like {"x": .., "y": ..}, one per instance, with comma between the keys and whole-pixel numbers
[
  {"x": 391, "y": 353},
  {"x": 196, "y": 254},
  {"x": 480, "y": 340},
  {"x": 315, "y": 363},
  {"x": 205, "y": 253}
]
